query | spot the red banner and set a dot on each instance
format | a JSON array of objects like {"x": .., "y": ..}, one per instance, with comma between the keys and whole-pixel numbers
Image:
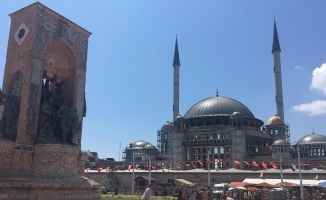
[
  {"x": 201, "y": 163},
  {"x": 237, "y": 164},
  {"x": 264, "y": 166},
  {"x": 228, "y": 158},
  {"x": 193, "y": 165},
  {"x": 246, "y": 163},
  {"x": 255, "y": 165},
  {"x": 273, "y": 165},
  {"x": 99, "y": 169}
]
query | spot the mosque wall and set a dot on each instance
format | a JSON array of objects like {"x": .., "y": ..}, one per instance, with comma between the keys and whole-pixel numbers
[{"x": 202, "y": 177}]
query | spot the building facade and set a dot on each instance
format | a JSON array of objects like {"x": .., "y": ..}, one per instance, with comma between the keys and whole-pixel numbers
[{"x": 221, "y": 132}]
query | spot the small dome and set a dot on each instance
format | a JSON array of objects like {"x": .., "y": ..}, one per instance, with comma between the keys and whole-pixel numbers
[
  {"x": 312, "y": 139},
  {"x": 167, "y": 126},
  {"x": 275, "y": 120},
  {"x": 179, "y": 119},
  {"x": 236, "y": 115},
  {"x": 280, "y": 142},
  {"x": 149, "y": 146},
  {"x": 140, "y": 144}
]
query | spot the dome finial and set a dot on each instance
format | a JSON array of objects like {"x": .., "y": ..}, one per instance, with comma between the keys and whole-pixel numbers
[{"x": 217, "y": 92}]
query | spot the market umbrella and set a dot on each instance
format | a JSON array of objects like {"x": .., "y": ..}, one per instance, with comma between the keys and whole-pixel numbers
[
  {"x": 253, "y": 188},
  {"x": 322, "y": 184},
  {"x": 285, "y": 184},
  {"x": 264, "y": 184},
  {"x": 231, "y": 188}
]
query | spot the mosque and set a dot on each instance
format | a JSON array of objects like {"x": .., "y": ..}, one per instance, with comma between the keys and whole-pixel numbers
[{"x": 221, "y": 133}]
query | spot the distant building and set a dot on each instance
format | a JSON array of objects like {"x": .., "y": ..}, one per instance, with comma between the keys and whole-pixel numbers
[
  {"x": 94, "y": 162},
  {"x": 221, "y": 132}
]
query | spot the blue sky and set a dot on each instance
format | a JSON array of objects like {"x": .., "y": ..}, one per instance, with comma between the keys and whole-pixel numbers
[{"x": 222, "y": 44}]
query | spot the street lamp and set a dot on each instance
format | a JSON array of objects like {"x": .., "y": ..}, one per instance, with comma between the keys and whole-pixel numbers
[
  {"x": 149, "y": 167},
  {"x": 208, "y": 168},
  {"x": 133, "y": 174},
  {"x": 300, "y": 175},
  {"x": 281, "y": 168}
]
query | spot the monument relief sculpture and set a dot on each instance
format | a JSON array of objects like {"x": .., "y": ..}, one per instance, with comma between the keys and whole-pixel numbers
[{"x": 42, "y": 108}]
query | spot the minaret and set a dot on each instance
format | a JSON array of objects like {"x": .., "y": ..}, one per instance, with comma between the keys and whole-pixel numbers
[
  {"x": 176, "y": 66},
  {"x": 276, "y": 50}
]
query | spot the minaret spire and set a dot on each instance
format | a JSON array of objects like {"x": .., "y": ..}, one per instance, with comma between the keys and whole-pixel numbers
[
  {"x": 276, "y": 50},
  {"x": 276, "y": 43},
  {"x": 176, "y": 66},
  {"x": 176, "y": 60}
]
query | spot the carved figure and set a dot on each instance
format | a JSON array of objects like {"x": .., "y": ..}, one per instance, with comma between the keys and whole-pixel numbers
[
  {"x": 73, "y": 124},
  {"x": 64, "y": 120},
  {"x": 46, "y": 118}
]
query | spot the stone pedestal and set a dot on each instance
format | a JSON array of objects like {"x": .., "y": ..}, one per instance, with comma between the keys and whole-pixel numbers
[
  {"x": 53, "y": 174},
  {"x": 48, "y": 189}
]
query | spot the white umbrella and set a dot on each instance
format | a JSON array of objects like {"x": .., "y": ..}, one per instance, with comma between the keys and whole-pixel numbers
[{"x": 231, "y": 188}]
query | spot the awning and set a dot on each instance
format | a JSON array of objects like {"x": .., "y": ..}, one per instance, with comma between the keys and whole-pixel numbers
[
  {"x": 179, "y": 181},
  {"x": 307, "y": 182},
  {"x": 237, "y": 184}
]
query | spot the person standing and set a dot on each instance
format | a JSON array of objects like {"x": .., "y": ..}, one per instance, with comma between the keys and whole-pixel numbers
[
  {"x": 245, "y": 195},
  {"x": 249, "y": 195},
  {"x": 148, "y": 192},
  {"x": 235, "y": 195},
  {"x": 203, "y": 194},
  {"x": 209, "y": 193},
  {"x": 193, "y": 193},
  {"x": 182, "y": 193}
]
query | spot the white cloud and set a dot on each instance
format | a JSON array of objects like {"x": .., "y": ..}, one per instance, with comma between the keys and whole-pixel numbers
[
  {"x": 297, "y": 67},
  {"x": 317, "y": 107},
  {"x": 319, "y": 79}
]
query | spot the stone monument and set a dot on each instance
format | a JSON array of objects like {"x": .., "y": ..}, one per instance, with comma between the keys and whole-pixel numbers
[{"x": 42, "y": 108}]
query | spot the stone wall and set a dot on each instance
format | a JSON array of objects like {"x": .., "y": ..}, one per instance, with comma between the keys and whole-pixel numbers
[{"x": 125, "y": 177}]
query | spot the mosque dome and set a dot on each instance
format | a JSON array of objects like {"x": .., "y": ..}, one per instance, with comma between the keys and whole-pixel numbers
[
  {"x": 275, "y": 120},
  {"x": 312, "y": 139},
  {"x": 217, "y": 106},
  {"x": 236, "y": 115},
  {"x": 179, "y": 119},
  {"x": 167, "y": 126},
  {"x": 280, "y": 142},
  {"x": 140, "y": 144}
]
